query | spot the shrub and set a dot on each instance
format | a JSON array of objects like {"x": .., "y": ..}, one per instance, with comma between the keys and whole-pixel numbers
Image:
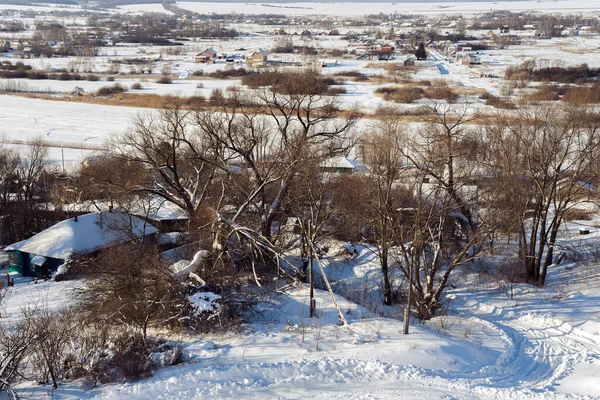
[
  {"x": 545, "y": 93},
  {"x": 255, "y": 80},
  {"x": 92, "y": 78},
  {"x": 401, "y": 95},
  {"x": 199, "y": 85},
  {"x": 497, "y": 102},
  {"x": 441, "y": 93},
  {"x": 110, "y": 78},
  {"x": 37, "y": 75},
  {"x": 357, "y": 75},
  {"x": 65, "y": 76},
  {"x": 198, "y": 73},
  {"x": 582, "y": 95},
  {"x": 110, "y": 90},
  {"x": 136, "y": 86},
  {"x": 195, "y": 101},
  {"x": 334, "y": 91},
  {"x": 165, "y": 80},
  {"x": 229, "y": 73}
]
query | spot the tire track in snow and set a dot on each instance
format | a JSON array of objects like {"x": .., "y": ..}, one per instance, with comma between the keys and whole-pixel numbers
[
  {"x": 317, "y": 378},
  {"x": 541, "y": 349}
]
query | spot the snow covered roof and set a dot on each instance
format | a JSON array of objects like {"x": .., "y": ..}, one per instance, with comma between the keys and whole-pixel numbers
[
  {"x": 263, "y": 52},
  {"x": 345, "y": 163},
  {"x": 91, "y": 232}
]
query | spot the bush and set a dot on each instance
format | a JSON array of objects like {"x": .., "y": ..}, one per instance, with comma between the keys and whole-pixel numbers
[
  {"x": 165, "y": 80},
  {"x": 497, "y": 102},
  {"x": 334, "y": 91},
  {"x": 255, "y": 79},
  {"x": 441, "y": 93},
  {"x": 401, "y": 95},
  {"x": 357, "y": 75},
  {"x": 582, "y": 95},
  {"x": 229, "y": 73},
  {"x": 37, "y": 75},
  {"x": 110, "y": 90},
  {"x": 198, "y": 73},
  {"x": 136, "y": 86},
  {"x": 199, "y": 85},
  {"x": 110, "y": 78},
  {"x": 92, "y": 78}
]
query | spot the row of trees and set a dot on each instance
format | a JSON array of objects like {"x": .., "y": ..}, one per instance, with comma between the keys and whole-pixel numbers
[{"x": 439, "y": 193}]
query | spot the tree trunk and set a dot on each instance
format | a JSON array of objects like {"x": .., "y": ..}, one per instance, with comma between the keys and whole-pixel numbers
[
  {"x": 409, "y": 300},
  {"x": 549, "y": 253},
  {"x": 387, "y": 287}
]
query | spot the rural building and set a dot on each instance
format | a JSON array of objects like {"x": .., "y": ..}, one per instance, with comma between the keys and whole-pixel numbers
[
  {"x": 74, "y": 237},
  {"x": 342, "y": 165},
  {"x": 257, "y": 58},
  {"x": 206, "y": 56},
  {"x": 409, "y": 62}
]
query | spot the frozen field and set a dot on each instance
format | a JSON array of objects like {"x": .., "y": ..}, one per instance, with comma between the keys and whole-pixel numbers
[
  {"x": 357, "y": 9},
  {"x": 61, "y": 122}
]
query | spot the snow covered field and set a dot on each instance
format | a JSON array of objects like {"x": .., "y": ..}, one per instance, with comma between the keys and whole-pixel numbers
[{"x": 342, "y": 9}]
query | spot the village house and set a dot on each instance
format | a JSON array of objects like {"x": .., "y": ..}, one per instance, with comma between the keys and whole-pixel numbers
[
  {"x": 386, "y": 52},
  {"x": 342, "y": 165},
  {"x": 257, "y": 58},
  {"x": 206, "y": 56},
  {"x": 74, "y": 237}
]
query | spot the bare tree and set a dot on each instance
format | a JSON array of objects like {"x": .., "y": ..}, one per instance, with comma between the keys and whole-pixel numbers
[
  {"x": 552, "y": 152},
  {"x": 53, "y": 334},
  {"x": 181, "y": 168},
  {"x": 446, "y": 151},
  {"x": 382, "y": 152},
  {"x": 31, "y": 169},
  {"x": 272, "y": 133},
  {"x": 132, "y": 287}
]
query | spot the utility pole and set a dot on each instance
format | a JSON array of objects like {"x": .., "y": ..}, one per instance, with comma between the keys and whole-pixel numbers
[{"x": 313, "y": 303}]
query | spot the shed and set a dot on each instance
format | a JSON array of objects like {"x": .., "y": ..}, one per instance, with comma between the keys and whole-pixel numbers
[{"x": 74, "y": 237}]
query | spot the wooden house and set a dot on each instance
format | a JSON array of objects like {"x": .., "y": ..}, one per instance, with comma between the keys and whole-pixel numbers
[
  {"x": 206, "y": 56},
  {"x": 80, "y": 236},
  {"x": 257, "y": 58}
]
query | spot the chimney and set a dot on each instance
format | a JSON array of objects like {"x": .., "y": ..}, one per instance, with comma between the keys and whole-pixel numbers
[
  {"x": 75, "y": 218},
  {"x": 100, "y": 219}
]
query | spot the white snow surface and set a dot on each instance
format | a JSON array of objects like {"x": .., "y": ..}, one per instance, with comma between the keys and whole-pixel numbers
[
  {"x": 85, "y": 235},
  {"x": 542, "y": 344},
  {"x": 345, "y": 9}
]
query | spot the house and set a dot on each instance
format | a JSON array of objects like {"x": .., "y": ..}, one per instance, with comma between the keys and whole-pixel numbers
[
  {"x": 206, "y": 56},
  {"x": 257, "y": 58},
  {"x": 342, "y": 165},
  {"x": 72, "y": 238},
  {"x": 278, "y": 32},
  {"x": 386, "y": 52}
]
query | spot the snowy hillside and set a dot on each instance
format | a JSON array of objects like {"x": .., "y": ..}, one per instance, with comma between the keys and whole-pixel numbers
[{"x": 542, "y": 344}]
